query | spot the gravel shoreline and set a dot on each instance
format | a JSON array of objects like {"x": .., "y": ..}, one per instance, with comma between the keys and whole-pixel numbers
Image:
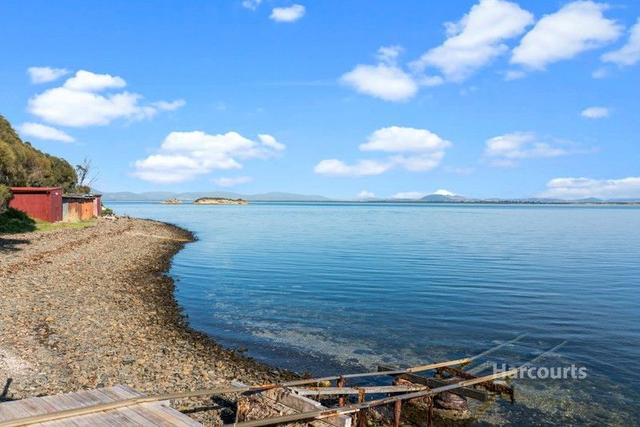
[{"x": 93, "y": 307}]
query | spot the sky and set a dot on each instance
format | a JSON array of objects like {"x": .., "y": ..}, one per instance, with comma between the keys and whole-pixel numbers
[{"x": 357, "y": 99}]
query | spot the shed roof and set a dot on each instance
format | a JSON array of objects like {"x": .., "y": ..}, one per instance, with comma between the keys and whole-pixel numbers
[
  {"x": 80, "y": 196},
  {"x": 34, "y": 189}
]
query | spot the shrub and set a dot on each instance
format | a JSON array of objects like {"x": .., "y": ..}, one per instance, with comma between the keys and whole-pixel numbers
[
  {"x": 15, "y": 221},
  {"x": 5, "y": 196},
  {"x": 106, "y": 211}
]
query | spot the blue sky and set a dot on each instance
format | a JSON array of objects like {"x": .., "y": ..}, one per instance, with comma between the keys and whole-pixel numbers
[{"x": 344, "y": 99}]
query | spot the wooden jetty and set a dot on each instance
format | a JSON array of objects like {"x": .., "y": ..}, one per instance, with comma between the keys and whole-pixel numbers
[
  {"x": 299, "y": 401},
  {"x": 47, "y": 410},
  {"x": 293, "y": 400}
]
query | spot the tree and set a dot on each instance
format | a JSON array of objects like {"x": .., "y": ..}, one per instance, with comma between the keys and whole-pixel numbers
[{"x": 83, "y": 172}]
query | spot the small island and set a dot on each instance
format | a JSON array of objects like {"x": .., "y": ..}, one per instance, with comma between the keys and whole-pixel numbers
[
  {"x": 219, "y": 201},
  {"x": 172, "y": 201}
]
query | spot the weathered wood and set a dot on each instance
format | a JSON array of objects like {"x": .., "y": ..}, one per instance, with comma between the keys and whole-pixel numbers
[
  {"x": 44, "y": 411},
  {"x": 356, "y": 407},
  {"x": 332, "y": 391},
  {"x": 298, "y": 404},
  {"x": 108, "y": 406},
  {"x": 471, "y": 393},
  {"x": 397, "y": 413},
  {"x": 341, "y": 382}
]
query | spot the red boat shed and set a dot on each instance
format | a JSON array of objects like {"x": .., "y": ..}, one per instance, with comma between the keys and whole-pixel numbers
[{"x": 44, "y": 203}]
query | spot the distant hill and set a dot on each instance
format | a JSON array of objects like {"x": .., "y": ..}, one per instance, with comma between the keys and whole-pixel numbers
[
  {"x": 157, "y": 196},
  {"x": 441, "y": 198}
]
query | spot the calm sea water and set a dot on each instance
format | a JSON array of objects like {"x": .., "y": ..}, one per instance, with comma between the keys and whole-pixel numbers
[{"x": 326, "y": 287}]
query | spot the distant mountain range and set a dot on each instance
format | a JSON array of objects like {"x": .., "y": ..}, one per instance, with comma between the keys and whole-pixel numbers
[{"x": 157, "y": 196}]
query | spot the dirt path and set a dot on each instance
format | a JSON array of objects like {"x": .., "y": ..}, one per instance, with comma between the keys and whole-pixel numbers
[{"x": 92, "y": 307}]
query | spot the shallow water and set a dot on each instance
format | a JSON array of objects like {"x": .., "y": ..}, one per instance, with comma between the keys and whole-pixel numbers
[{"x": 326, "y": 287}]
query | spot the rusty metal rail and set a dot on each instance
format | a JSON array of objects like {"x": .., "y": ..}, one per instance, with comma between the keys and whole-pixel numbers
[{"x": 361, "y": 406}]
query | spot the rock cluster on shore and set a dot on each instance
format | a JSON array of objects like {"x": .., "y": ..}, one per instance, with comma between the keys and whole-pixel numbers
[{"x": 92, "y": 307}]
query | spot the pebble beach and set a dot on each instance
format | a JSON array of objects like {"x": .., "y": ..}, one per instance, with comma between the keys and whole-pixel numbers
[{"x": 93, "y": 307}]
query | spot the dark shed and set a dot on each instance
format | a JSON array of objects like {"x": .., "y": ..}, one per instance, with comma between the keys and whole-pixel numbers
[{"x": 44, "y": 203}]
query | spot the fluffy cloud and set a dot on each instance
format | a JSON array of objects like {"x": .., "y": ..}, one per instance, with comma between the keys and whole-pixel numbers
[
  {"x": 628, "y": 54},
  {"x": 232, "y": 181},
  {"x": 185, "y": 155},
  {"x": 288, "y": 14},
  {"x": 397, "y": 139},
  {"x": 389, "y": 54},
  {"x": 79, "y": 103},
  {"x": 365, "y": 195},
  {"x": 271, "y": 142},
  {"x": 251, "y": 4},
  {"x": 595, "y": 112},
  {"x": 86, "y": 81},
  {"x": 40, "y": 131},
  {"x": 575, "y": 28},
  {"x": 384, "y": 81},
  {"x": 409, "y": 195},
  {"x": 335, "y": 167},
  {"x": 476, "y": 39},
  {"x": 415, "y": 150},
  {"x": 506, "y": 150},
  {"x": 169, "y": 105},
  {"x": 45, "y": 74},
  {"x": 578, "y": 188}
]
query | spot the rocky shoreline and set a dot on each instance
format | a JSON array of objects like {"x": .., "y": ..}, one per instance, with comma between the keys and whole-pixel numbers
[{"x": 93, "y": 307}]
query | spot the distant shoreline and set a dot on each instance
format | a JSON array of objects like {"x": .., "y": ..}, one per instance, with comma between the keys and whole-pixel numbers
[{"x": 420, "y": 202}]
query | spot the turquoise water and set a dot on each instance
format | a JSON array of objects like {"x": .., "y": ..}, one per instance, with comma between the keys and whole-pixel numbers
[{"x": 326, "y": 287}]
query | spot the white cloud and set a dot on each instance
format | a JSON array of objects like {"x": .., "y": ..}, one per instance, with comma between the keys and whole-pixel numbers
[
  {"x": 78, "y": 102},
  {"x": 408, "y": 195},
  {"x": 288, "y": 14},
  {"x": 600, "y": 73},
  {"x": 514, "y": 75},
  {"x": 271, "y": 142},
  {"x": 476, "y": 39},
  {"x": 169, "y": 105},
  {"x": 45, "y": 74},
  {"x": 251, "y": 4},
  {"x": 443, "y": 192},
  {"x": 628, "y": 54},
  {"x": 595, "y": 112},
  {"x": 578, "y": 188},
  {"x": 506, "y": 150},
  {"x": 185, "y": 155},
  {"x": 431, "y": 80},
  {"x": 365, "y": 195},
  {"x": 232, "y": 181},
  {"x": 335, "y": 167},
  {"x": 383, "y": 81},
  {"x": 398, "y": 139},
  {"x": 86, "y": 81},
  {"x": 575, "y": 28},
  {"x": 416, "y": 150},
  {"x": 389, "y": 54},
  {"x": 40, "y": 131},
  {"x": 164, "y": 169}
]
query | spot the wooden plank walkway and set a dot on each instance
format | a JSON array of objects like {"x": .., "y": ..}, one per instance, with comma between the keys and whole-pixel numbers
[{"x": 144, "y": 414}]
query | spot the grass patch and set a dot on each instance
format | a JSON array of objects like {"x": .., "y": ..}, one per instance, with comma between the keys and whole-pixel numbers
[
  {"x": 15, "y": 221},
  {"x": 51, "y": 226}
]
